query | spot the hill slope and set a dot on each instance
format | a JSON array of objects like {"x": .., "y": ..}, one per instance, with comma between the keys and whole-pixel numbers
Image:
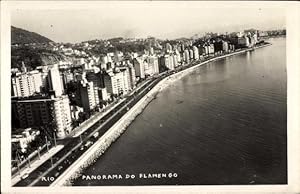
[{"x": 20, "y": 36}]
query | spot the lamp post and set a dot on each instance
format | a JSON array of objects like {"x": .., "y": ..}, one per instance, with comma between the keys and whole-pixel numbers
[
  {"x": 51, "y": 159},
  {"x": 47, "y": 144},
  {"x": 54, "y": 139},
  {"x": 29, "y": 163},
  {"x": 80, "y": 138},
  {"x": 38, "y": 150}
]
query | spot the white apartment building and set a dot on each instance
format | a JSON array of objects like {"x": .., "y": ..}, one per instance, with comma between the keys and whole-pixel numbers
[
  {"x": 88, "y": 95},
  {"x": 55, "y": 81},
  {"x": 195, "y": 53},
  {"x": 117, "y": 81},
  {"x": 153, "y": 64},
  {"x": 27, "y": 84}
]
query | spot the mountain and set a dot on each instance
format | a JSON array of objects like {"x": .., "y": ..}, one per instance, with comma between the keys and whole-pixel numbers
[
  {"x": 20, "y": 36},
  {"x": 34, "y": 55}
]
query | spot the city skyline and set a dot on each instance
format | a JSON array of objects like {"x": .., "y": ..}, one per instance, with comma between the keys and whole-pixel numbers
[{"x": 165, "y": 20}]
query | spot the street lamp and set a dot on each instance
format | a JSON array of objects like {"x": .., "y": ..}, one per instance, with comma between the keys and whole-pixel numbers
[
  {"x": 47, "y": 144},
  {"x": 39, "y": 148},
  {"x": 29, "y": 163},
  {"x": 80, "y": 138},
  {"x": 54, "y": 139}
]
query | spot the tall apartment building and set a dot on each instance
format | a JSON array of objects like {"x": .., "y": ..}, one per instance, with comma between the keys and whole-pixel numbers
[
  {"x": 152, "y": 68},
  {"x": 211, "y": 49},
  {"x": 139, "y": 67},
  {"x": 191, "y": 54},
  {"x": 205, "y": 49},
  {"x": 88, "y": 95},
  {"x": 97, "y": 79},
  {"x": 195, "y": 53},
  {"x": 132, "y": 75},
  {"x": 151, "y": 51},
  {"x": 168, "y": 47},
  {"x": 55, "y": 81},
  {"x": 26, "y": 84},
  {"x": 186, "y": 56},
  {"x": 225, "y": 46},
  {"x": 117, "y": 81},
  {"x": 167, "y": 61},
  {"x": 175, "y": 60},
  {"x": 37, "y": 112}
]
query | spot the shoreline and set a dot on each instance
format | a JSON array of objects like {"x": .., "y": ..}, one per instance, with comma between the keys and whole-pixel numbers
[{"x": 99, "y": 147}]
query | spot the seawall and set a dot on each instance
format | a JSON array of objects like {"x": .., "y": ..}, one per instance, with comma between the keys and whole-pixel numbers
[{"x": 99, "y": 147}]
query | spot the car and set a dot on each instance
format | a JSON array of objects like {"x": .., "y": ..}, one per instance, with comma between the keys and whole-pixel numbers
[
  {"x": 88, "y": 143},
  {"x": 96, "y": 134},
  {"x": 24, "y": 176},
  {"x": 56, "y": 174},
  {"x": 60, "y": 167}
]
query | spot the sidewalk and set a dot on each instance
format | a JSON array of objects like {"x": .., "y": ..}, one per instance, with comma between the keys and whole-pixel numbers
[{"x": 35, "y": 164}]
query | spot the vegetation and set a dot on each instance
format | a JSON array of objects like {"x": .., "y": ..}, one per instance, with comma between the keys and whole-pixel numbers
[{"x": 33, "y": 57}]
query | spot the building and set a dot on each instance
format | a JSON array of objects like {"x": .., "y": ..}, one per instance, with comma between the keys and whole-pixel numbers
[
  {"x": 51, "y": 113},
  {"x": 175, "y": 60},
  {"x": 177, "y": 57},
  {"x": 126, "y": 75},
  {"x": 168, "y": 48},
  {"x": 191, "y": 53},
  {"x": 97, "y": 79},
  {"x": 88, "y": 95},
  {"x": 243, "y": 41},
  {"x": 27, "y": 84},
  {"x": 206, "y": 50},
  {"x": 211, "y": 49},
  {"x": 117, "y": 81},
  {"x": 200, "y": 50},
  {"x": 218, "y": 46},
  {"x": 68, "y": 77},
  {"x": 103, "y": 95},
  {"x": 186, "y": 56},
  {"x": 225, "y": 46},
  {"x": 132, "y": 74},
  {"x": 21, "y": 141},
  {"x": 153, "y": 67},
  {"x": 195, "y": 53},
  {"x": 168, "y": 61},
  {"x": 151, "y": 51},
  {"x": 55, "y": 81},
  {"x": 139, "y": 67}
]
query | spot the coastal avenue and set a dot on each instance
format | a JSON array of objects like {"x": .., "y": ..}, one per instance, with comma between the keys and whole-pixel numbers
[{"x": 73, "y": 149}]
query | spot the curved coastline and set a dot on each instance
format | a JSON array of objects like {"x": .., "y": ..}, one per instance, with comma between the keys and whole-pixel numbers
[{"x": 99, "y": 147}]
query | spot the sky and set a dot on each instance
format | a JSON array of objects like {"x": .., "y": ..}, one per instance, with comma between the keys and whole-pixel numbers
[{"x": 166, "y": 20}]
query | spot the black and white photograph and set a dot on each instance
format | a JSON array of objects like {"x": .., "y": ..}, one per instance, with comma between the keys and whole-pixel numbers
[{"x": 151, "y": 93}]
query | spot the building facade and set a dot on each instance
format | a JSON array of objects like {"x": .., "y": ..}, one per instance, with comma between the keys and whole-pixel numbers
[
  {"x": 55, "y": 81},
  {"x": 26, "y": 84},
  {"x": 51, "y": 113}
]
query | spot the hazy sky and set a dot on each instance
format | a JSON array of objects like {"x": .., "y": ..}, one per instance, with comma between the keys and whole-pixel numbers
[{"x": 134, "y": 19}]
